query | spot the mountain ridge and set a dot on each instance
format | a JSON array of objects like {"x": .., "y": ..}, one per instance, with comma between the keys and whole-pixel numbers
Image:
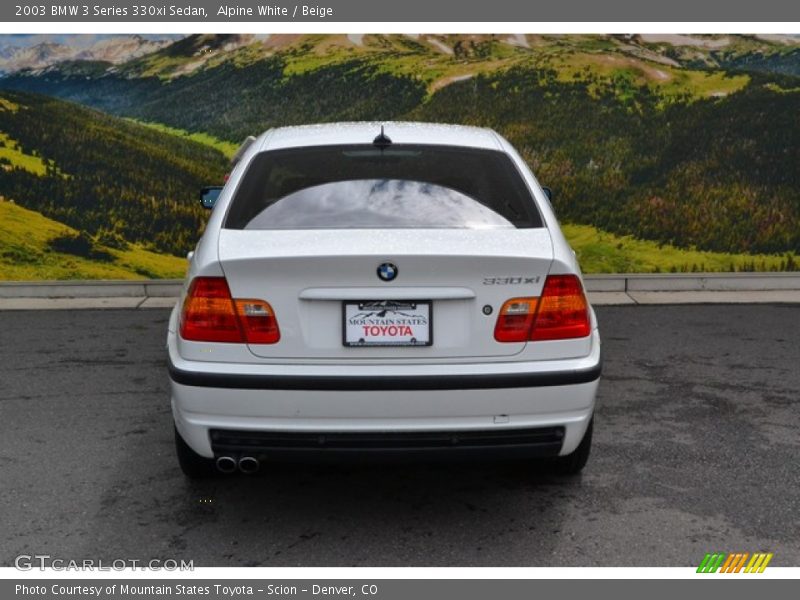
[
  {"x": 631, "y": 143},
  {"x": 113, "y": 50},
  {"x": 106, "y": 177}
]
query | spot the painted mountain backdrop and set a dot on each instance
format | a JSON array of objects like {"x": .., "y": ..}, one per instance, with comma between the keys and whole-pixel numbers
[
  {"x": 666, "y": 152},
  {"x": 18, "y": 52}
]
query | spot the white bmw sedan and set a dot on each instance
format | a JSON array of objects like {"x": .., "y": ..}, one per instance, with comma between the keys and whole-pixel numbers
[{"x": 394, "y": 290}]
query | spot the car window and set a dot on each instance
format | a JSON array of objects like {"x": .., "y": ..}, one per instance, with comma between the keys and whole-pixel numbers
[{"x": 403, "y": 186}]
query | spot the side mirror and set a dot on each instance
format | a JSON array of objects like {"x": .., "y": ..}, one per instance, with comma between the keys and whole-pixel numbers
[
  {"x": 548, "y": 192},
  {"x": 209, "y": 195}
]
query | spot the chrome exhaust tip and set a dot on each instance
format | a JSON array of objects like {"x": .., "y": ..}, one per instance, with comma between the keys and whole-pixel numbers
[
  {"x": 226, "y": 464},
  {"x": 248, "y": 464}
]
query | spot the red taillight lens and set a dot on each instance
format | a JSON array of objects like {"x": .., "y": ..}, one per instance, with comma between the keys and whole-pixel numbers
[
  {"x": 561, "y": 313},
  {"x": 210, "y": 314},
  {"x": 258, "y": 321},
  {"x": 515, "y": 320}
]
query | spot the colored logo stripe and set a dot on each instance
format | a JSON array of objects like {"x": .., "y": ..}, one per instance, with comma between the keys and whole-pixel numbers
[
  {"x": 733, "y": 563},
  {"x": 711, "y": 562},
  {"x": 758, "y": 563}
]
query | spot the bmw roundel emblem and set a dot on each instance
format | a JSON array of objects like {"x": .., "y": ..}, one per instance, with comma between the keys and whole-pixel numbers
[{"x": 387, "y": 271}]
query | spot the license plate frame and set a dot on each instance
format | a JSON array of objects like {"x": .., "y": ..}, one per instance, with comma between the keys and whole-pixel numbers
[{"x": 394, "y": 306}]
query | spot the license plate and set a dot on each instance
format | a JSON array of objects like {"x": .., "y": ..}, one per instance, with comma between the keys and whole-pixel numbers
[{"x": 387, "y": 323}]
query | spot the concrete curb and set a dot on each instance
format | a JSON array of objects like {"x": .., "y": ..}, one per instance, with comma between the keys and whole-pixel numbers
[
  {"x": 151, "y": 288},
  {"x": 613, "y": 289},
  {"x": 694, "y": 282}
]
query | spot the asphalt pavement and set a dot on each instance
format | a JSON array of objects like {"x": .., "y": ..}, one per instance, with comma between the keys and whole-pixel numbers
[{"x": 697, "y": 441}]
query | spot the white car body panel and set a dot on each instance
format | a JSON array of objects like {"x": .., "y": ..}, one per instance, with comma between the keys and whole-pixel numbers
[
  {"x": 306, "y": 274},
  {"x": 280, "y": 265}
]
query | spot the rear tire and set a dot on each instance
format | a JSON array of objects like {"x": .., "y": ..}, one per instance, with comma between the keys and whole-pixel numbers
[
  {"x": 573, "y": 463},
  {"x": 192, "y": 464}
]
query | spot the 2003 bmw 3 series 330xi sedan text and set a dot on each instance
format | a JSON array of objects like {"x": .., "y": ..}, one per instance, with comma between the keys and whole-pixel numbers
[{"x": 395, "y": 289}]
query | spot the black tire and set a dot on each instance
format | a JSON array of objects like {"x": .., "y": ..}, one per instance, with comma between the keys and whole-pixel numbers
[
  {"x": 573, "y": 463},
  {"x": 192, "y": 464}
]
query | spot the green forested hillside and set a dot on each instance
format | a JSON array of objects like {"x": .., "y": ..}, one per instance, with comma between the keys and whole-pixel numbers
[
  {"x": 787, "y": 62},
  {"x": 232, "y": 101},
  {"x": 720, "y": 174},
  {"x": 688, "y": 142},
  {"x": 105, "y": 175},
  {"x": 32, "y": 247}
]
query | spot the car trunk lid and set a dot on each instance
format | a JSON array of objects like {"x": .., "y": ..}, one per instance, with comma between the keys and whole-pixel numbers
[{"x": 317, "y": 280}]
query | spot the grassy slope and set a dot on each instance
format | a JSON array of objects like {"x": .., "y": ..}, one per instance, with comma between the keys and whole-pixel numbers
[
  {"x": 227, "y": 148},
  {"x": 602, "y": 252},
  {"x": 25, "y": 255},
  {"x": 17, "y": 158}
]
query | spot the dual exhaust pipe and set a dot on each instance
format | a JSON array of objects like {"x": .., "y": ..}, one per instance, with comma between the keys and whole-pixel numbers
[{"x": 245, "y": 464}]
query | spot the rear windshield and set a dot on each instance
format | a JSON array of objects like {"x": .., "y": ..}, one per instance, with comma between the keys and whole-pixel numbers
[{"x": 362, "y": 186}]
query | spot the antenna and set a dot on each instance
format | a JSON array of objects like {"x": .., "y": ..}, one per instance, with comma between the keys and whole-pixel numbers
[{"x": 382, "y": 140}]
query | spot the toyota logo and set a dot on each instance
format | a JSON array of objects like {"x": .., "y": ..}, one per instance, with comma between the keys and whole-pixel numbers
[{"x": 387, "y": 272}]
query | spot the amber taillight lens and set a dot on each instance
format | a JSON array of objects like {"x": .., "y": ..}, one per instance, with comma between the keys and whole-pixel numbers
[
  {"x": 210, "y": 314},
  {"x": 560, "y": 313}
]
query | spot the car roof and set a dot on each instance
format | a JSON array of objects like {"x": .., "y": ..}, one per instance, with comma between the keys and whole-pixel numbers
[{"x": 400, "y": 132}]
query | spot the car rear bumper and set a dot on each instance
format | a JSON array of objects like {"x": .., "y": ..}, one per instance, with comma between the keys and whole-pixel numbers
[
  {"x": 383, "y": 382},
  {"x": 473, "y": 410},
  {"x": 388, "y": 445}
]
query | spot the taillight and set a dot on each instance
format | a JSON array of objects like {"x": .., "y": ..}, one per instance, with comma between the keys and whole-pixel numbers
[
  {"x": 560, "y": 313},
  {"x": 563, "y": 310},
  {"x": 258, "y": 321},
  {"x": 210, "y": 314},
  {"x": 515, "y": 320}
]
